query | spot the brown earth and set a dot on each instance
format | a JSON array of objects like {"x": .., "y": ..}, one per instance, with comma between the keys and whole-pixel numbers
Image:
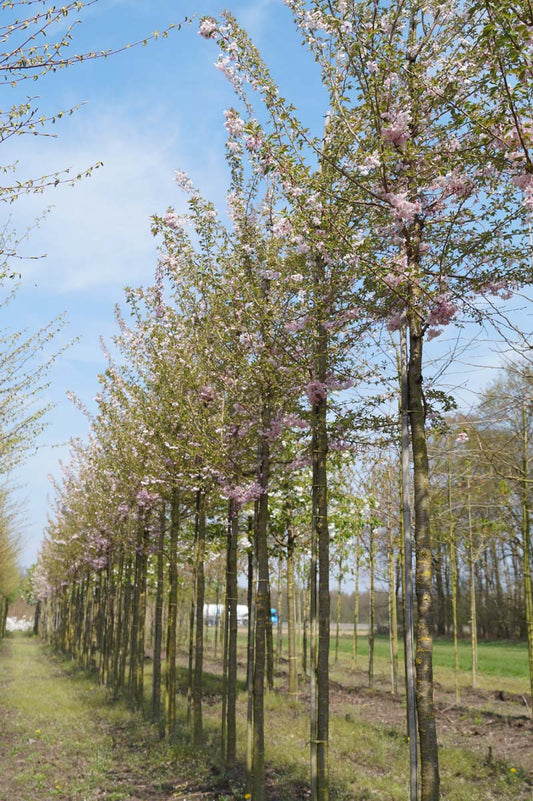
[{"x": 496, "y": 725}]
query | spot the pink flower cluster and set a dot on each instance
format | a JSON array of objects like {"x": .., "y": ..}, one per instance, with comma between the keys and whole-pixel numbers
[
  {"x": 443, "y": 311},
  {"x": 208, "y": 28},
  {"x": 233, "y": 124},
  {"x": 316, "y": 391},
  {"x": 241, "y": 495},
  {"x": 174, "y": 221},
  {"x": 404, "y": 210},
  {"x": 146, "y": 499},
  {"x": 525, "y": 183},
  {"x": 397, "y": 130}
]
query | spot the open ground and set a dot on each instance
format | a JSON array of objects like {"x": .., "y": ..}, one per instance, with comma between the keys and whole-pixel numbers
[{"x": 66, "y": 738}]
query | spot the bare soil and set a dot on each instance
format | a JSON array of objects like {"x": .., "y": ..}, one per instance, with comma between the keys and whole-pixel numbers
[{"x": 497, "y": 726}]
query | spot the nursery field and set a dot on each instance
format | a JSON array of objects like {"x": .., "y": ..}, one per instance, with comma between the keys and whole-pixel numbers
[{"x": 65, "y": 738}]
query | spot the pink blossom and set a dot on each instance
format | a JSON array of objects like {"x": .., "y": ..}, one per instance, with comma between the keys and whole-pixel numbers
[
  {"x": 234, "y": 124},
  {"x": 296, "y": 325},
  {"x": 208, "y": 27},
  {"x": 443, "y": 311},
  {"x": 175, "y": 221},
  {"x": 282, "y": 227},
  {"x": 183, "y": 180},
  {"x": 525, "y": 183},
  {"x": 207, "y": 394},
  {"x": 253, "y": 142},
  {"x": 302, "y": 246},
  {"x": 146, "y": 499},
  {"x": 270, "y": 275},
  {"x": 397, "y": 130},
  {"x": 294, "y": 421},
  {"x": 461, "y": 438},
  {"x": 503, "y": 289},
  {"x": 404, "y": 210},
  {"x": 242, "y": 494},
  {"x": 316, "y": 391},
  {"x": 299, "y": 462},
  {"x": 275, "y": 430},
  {"x": 393, "y": 323}
]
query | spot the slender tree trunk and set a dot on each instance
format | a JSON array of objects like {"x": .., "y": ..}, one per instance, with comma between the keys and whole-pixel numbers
[
  {"x": 142, "y": 598},
  {"x": 133, "y": 675},
  {"x": 262, "y": 608},
  {"x": 526, "y": 545},
  {"x": 170, "y": 665},
  {"x": 306, "y": 623},
  {"x": 356, "y": 603},
  {"x": 125, "y": 632},
  {"x": 291, "y": 620},
  {"x": 231, "y": 600},
  {"x": 407, "y": 549},
  {"x": 250, "y": 662},
  {"x": 158, "y": 622},
  {"x": 313, "y": 656},
  {"x": 199, "y": 629},
  {"x": 338, "y": 610},
  {"x": 371, "y": 621},
  {"x": 453, "y": 567},
  {"x": 320, "y": 729},
  {"x": 393, "y": 614},
  {"x": 427, "y": 730},
  {"x": 473, "y": 606},
  {"x": 37, "y": 617}
]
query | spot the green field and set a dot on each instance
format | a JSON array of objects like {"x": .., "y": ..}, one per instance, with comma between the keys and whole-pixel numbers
[
  {"x": 64, "y": 737},
  {"x": 501, "y": 665}
]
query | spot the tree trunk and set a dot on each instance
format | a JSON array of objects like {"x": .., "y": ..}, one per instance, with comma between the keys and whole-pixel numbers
[
  {"x": 371, "y": 620},
  {"x": 199, "y": 629},
  {"x": 473, "y": 606},
  {"x": 320, "y": 729},
  {"x": 429, "y": 756},
  {"x": 338, "y": 610},
  {"x": 356, "y": 603},
  {"x": 262, "y": 608},
  {"x": 170, "y": 666},
  {"x": 406, "y": 546},
  {"x": 393, "y": 615},
  {"x": 453, "y": 568},
  {"x": 250, "y": 663},
  {"x": 231, "y": 600},
  {"x": 291, "y": 619},
  {"x": 526, "y": 546},
  {"x": 158, "y": 623}
]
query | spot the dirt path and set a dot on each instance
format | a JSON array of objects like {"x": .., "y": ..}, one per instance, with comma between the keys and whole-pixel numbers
[{"x": 61, "y": 740}]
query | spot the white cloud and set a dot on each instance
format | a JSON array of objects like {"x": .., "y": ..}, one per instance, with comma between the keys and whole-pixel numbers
[{"x": 97, "y": 234}]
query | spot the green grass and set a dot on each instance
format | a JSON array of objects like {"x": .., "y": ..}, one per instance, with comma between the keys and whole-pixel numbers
[
  {"x": 501, "y": 665},
  {"x": 67, "y": 740}
]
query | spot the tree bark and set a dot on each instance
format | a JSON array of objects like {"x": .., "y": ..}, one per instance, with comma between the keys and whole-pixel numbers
[
  {"x": 158, "y": 622},
  {"x": 170, "y": 666},
  {"x": 262, "y": 607},
  {"x": 231, "y": 600},
  {"x": 427, "y": 731},
  {"x": 199, "y": 628}
]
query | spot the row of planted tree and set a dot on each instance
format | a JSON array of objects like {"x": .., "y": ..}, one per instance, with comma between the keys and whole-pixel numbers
[
  {"x": 140, "y": 589},
  {"x": 278, "y": 354}
]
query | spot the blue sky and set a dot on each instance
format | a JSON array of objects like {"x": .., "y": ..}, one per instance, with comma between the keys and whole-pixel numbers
[{"x": 146, "y": 112}]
